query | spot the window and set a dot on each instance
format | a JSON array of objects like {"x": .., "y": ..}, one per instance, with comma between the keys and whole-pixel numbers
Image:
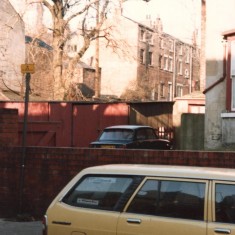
[
  {"x": 186, "y": 73},
  {"x": 233, "y": 94},
  {"x": 160, "y": 61},
  {"x": 150, "y": 58},
  {"x": 150, "y": 134},
  {"x": 171, "y": 45},
  {"x": 144, "y": 134},
  {"x": 169, "y": 91},
  {"x": 117, "y": 134},
  {"x": 161, "y": 89},
  {"x": 175, "y": 199},
  {"x": 72, "y": 48},
  {"x": 170, "y": 64},
  {"x": 179, "y": 90},
  {"x": 180, "y": 49},
  {"x": 187, "y": 55},
  {"x": 98, "y": 192},
  {"x": 141, "y": 56},
  {"x": 180, "y": 68},
  {"x": 149, "y": 37},
  {"x": 162, "y": 43},
  {"x": 142, "y": 35},
  {"x": 225, "y": 203},
  {"x": 165, "y": 62},
  {"x": 141, "y": 135}
]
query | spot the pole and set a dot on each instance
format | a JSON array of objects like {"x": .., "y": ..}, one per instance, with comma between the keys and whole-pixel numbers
[
  {"x": 22, "y": 173},
  {"x": 97, "y": 66}
]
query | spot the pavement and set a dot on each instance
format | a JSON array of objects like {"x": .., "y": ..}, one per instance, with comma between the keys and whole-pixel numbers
[{"x": 8, "y": 227}]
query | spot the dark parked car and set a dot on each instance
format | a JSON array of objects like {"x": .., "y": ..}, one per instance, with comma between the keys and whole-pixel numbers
[{"x": 131, "y": 137}]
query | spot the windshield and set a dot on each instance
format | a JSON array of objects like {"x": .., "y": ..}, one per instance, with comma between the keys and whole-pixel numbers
[{"x": 117, "y": 134}]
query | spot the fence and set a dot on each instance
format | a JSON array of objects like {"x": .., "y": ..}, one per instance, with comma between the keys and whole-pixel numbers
[{"x": 75, "y": 124}]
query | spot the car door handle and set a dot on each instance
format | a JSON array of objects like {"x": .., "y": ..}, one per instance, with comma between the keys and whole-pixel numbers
[
  {"x": 222, "y": 231},
  {"x": 133, "y": 221},
  {"x": 61, "y": 223}
]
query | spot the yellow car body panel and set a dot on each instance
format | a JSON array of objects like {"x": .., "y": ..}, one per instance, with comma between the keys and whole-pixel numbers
[{"x": 65, "y": 219}]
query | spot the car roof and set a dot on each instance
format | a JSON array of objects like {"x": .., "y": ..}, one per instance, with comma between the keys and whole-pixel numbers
[
  {"x": 164, "y": 171},
  {"x": 133, "y": 127}
]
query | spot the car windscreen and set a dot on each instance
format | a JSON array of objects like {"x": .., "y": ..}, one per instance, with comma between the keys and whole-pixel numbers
[{"x": 117, "y": 134}]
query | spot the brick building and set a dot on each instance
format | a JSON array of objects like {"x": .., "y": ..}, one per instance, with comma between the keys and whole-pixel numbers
[
  {"x": 168, "y": 67},
  {"x": 144, "y": 63}
]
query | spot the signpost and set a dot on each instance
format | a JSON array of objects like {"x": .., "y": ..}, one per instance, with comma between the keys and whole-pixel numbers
[{"x": 26, "y": 69}]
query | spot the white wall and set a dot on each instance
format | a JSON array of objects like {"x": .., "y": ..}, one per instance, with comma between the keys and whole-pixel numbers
[
  {"x": 119, "y": 69},
  {"x": 12, "y": 46},
  {"x": 220, "y": 18}
]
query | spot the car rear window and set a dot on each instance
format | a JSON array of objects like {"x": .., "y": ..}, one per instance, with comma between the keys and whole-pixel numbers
[
  {"x": 98, "y": 192},
  {"x": 225, "y": 203},
  {"x": 117, "y": 134},
  {"x": 176, "y": 199}
]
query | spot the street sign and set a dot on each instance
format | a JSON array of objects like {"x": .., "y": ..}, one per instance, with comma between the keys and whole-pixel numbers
[{"x": 27, "y": 68}]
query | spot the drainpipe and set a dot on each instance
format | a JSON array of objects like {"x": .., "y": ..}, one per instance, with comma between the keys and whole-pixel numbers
[
  {"x": 190, "y": 71},
  {"x": 97, "y": 54},
  {"x": 174, "y": 71},
  {"x": 224, "y": 72}
]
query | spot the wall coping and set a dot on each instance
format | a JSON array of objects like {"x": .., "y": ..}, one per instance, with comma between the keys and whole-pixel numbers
[{"x": 228, "y": 115}]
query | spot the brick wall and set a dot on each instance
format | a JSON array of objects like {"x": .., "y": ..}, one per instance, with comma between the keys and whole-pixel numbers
[
  {"x": 48, "y": 170},
  {"x": 8, "y": 127}
]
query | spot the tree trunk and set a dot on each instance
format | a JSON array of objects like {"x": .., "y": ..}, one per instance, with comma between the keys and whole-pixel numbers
[{"x": 58, "y": 47}]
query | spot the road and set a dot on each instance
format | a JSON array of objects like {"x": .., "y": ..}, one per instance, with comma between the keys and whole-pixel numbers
[{"x": 20, "y": 228}]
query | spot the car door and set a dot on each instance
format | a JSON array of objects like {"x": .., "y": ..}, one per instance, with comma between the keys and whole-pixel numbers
[
  {"x": 166, "y": 206},
  {"x": 89, "y": 207},
  {"x": 222, "y": 217},
  {"x": 143, "y": 139},
  {"x": 67, "y": 220}
]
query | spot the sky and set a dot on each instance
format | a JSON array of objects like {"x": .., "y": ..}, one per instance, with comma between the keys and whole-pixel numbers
[{"x": 179, "y": 17}]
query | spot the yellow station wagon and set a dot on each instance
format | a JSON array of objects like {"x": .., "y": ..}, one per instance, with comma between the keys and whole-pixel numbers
[{"x": 145, "y": 200}]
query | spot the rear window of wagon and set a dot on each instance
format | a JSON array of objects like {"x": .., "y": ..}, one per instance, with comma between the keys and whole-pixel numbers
[{"x": 105, "y": 192}]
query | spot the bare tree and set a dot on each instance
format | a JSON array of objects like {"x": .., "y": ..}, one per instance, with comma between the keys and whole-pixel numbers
[
  {"x": 62, "y": 13},
  {"x": 40, "y": 54}
]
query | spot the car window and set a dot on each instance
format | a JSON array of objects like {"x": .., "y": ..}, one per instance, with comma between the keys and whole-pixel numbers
[
  {"x": 175, "y": 199},
  {"x": 145, "y": 133},
  {"x": 98, "y": 192},
  {"x": 150, "y": 134},
  {"x": 116, "y": 135},
  {"x": 225, "y": 203},
  {"x": 141, "y": 134}
]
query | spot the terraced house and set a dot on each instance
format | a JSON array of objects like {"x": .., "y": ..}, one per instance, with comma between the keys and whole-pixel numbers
[
  {"x": 146, "y": 63},
  {"x": 168, "y": 67}
]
